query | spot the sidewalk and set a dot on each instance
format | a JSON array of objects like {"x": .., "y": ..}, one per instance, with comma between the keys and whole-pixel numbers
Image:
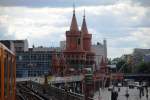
[{"x": 133, "y": 94}]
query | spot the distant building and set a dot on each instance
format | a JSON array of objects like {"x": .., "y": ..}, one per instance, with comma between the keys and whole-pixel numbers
[
  {"x": 147, "y": 58},
  {"x": 100, "y": 51},
  {"x": 128, "y": 58},
  {"x": 16, "y": 45},
  {"x": 62, "y": 45},
  {"x": 36, "y": 61},
  {"x": 41, "y": 48},
  {"x": 138, "y": 55},
  {"x": 33, "y": 62}
]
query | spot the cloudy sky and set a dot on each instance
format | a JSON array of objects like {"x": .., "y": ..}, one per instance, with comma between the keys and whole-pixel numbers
[{"x": 124, "y": 23}]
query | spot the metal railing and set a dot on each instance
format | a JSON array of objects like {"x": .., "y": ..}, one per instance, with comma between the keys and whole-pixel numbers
[
  {"x": 24, "y": 92},
  {"x": 56, "y": 93},
  {"x": 62, "y": 94}
]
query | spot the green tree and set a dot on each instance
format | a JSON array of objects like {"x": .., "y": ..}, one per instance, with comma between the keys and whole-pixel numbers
[
  {"x": 143, "y": 67},
  {"x": 120, "y": 64},
  {"x": 123, "y": 66},
  {"x": 109, "y": 61}
]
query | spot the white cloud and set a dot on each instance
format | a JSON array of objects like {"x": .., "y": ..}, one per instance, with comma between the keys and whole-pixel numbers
[
  {"x": 46, "y": 25},
  {"x": 117, "y": 52},
  {"x": 143, "y": 37},
  {"x": 33, "y": 22}
]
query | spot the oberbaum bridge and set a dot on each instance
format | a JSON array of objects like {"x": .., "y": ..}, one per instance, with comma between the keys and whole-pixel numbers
[{"x": 74, "y": 74}]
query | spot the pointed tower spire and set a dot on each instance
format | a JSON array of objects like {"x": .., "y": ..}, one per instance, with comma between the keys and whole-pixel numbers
[
  {"x": 84, "y": 26},
  {"x": 73, "y": 8},
  {"x": 74, "y": 25}
]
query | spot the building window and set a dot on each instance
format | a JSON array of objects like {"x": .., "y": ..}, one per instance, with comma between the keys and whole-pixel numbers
[
  {"x": 79, "y": 41},
  {"x": 20, "y": 58}
]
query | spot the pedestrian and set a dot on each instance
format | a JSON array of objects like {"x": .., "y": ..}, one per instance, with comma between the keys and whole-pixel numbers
[
  {"x": 114, "y": 95},
  {"x": 141, "y": 89},
  {"x": 146, "y": 88},
  {"x": 118, "y": 89},
  {"x": 127, "y": 94}
]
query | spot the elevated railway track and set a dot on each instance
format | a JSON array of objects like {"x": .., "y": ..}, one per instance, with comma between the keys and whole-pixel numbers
[
  {"x": 34, "y": 91},
  {"x": 26, "y": 93}
]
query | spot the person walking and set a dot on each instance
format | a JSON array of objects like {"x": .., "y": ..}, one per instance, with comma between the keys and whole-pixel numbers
[
  {"x": 146, "y": 89},
  {"x": 118, "y": 89},
  {"x": 114, "y": 95},
  {"x": 141, "y": 89}
]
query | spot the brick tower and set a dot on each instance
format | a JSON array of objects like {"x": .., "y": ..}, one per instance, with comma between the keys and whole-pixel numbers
[
  {"x": 86, "y": 36},
  {"x": 78, "y": 53}
]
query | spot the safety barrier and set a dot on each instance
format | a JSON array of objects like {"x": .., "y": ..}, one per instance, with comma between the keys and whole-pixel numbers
[{"x": 55, "y": 92}]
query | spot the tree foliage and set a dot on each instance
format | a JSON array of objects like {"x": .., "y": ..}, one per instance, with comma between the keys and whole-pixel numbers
[
  {"x": 120, "y": 64},
  {"x": 143, "y": 67},
  {"x": 123, "y": 66}
]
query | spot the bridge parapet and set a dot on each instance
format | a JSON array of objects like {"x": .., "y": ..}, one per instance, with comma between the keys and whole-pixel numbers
[
  {"x": 137, "y": 77},
  {"x": 55, "y": 92},
  {"x": 54, "y": 80},
  {"x": 62, "y": 94},
  {"x": 130, "y": 74}
]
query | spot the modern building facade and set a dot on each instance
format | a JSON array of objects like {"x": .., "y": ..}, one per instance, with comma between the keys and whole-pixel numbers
[
  {"x": 147, "y": 58},
  {"x": 100, "y": 51},
  {"x": 36, "y": 61},
  {"x": 33, "y": 63}
]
